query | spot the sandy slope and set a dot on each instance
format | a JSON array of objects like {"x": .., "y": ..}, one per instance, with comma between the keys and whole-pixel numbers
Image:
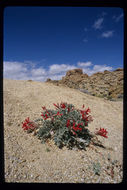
[{"x": 26, "y": 159}]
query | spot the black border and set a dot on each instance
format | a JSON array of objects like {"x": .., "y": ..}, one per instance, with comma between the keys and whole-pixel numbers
[{"x": 71, "y": 3}]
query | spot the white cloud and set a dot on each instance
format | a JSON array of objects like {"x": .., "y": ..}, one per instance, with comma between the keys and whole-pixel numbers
[
  {"x": 28, "y": 70},
  {"x": 56, "y": 68},
  {"x": 98, "y": 23},
  {"x": 84, "y": 64},
  {"x": 96, "y": 68},
  {"x": 88, "y": 71},
  {"x": 56, "y": 77},
  {"x": 23, "y": 71},
  {"x": 117, "y": 18},
  {"x": 107, "y": 34},
  {"x": 17, "y": 66},
  {"x": 14, "y": 70},
  {"x": 101, "y": 68},
  {"x": 38, "y": 72}
]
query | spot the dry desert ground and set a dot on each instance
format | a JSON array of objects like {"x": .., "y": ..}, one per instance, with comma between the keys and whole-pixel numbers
[{"x": 28, "y": 160}]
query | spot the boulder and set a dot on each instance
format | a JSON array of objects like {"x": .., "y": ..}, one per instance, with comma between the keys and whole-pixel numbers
[
  {"x": 48, "y": 80},
  {"x": 119, "y": 69},
  {"x": 74, "y": 72}
]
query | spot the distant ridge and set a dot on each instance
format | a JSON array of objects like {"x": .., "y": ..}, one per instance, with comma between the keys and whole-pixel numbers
[{"x": 108, "y": 84}]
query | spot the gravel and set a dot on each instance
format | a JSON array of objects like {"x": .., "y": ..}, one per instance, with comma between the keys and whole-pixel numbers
[{"x": 27, "y": 160}]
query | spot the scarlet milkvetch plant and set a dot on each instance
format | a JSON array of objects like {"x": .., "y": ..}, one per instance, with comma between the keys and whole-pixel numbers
[{"x": 66, "y": 125}]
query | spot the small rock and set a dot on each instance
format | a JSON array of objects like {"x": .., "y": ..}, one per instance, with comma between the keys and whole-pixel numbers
[
  {"x": 23, "y": 161},
  {"x": 25, "y": 176},
  {"x": 98, "y": 180},
  {"x": 82, "y": 180},
  {"x": 37, "y": 177},
  {"x": 15, "y": 176}
]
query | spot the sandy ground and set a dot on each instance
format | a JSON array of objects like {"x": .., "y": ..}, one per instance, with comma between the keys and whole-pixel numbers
[{"x": 27, "y": 160}]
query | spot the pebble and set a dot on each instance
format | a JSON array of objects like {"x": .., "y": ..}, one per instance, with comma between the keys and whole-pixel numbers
[
  {"x": 82, "y": 180},
  {"x": 98, "y": 180},
  {"x": 37, "y": 177},
  {"x": 25, "y": 176},
  {"x": 22, "y": 161},
  {"x": 15, "y": 176}
]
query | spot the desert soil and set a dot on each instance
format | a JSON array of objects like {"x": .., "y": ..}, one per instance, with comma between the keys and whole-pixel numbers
[{"x": 28, "y": 160}]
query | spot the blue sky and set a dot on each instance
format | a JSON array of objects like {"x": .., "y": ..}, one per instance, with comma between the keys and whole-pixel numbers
[{"x": 45, "y": 42}]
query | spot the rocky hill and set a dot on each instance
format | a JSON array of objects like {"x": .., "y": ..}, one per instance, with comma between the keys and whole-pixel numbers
[{"x": 102, "y": 84}]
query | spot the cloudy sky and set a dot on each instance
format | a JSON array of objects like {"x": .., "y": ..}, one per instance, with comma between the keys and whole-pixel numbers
[{"x": 45, "y": 42}]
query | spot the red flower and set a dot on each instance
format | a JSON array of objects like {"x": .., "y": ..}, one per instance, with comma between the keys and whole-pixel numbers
[
  {"x": 62, "y": 105},
  {"x": 83, "y": 116},
  {"x": 76, "y": 127},
  {"x": 42, "y": 115},
  {"x": 68, "y": 123},
  {"x": 27, "y": 124},
  {"x": 68, "y": 109},
  {"x": 44, "y": 108},
  {"x": 45, "y": 116},
  {"x": 102, "y": 132},
  {"x": 47, "y": 112},
  {"x": 83, "y": 106},
  {"x": 57, "y": 106},
  {"x": 58, "y": 113},
  {"x": 73, "y": 133},
  {"x": 82, "y": 113},
  {"x": 87, "y": 111}
]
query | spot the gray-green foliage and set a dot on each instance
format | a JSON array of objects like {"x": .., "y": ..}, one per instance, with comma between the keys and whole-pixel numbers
[
  {"x": 55, "y": 126},
  {"x": 97, "y": 168}
]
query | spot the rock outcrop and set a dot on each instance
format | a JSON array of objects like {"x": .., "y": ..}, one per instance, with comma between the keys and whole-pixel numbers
[{"x": 102, "y": 84}]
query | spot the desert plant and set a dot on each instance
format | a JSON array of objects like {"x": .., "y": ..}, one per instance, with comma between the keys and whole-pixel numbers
[
  {"x": 66, "y": 125},
  {"x": 96, "y": 168},
  {"x": 47, "y": 150}
]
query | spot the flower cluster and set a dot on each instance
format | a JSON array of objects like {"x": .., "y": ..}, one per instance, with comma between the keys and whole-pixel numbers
[
  {"x": 67, "y": 125},
  {"x": 102, "y": 132},
  {"x": 46, "y": 115},
  {"x": 28, "y": 125},
  {"x": 61, "y": 105},
  {"x": 69, "y": 112},
  {"x": 74, "y": 127}
]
